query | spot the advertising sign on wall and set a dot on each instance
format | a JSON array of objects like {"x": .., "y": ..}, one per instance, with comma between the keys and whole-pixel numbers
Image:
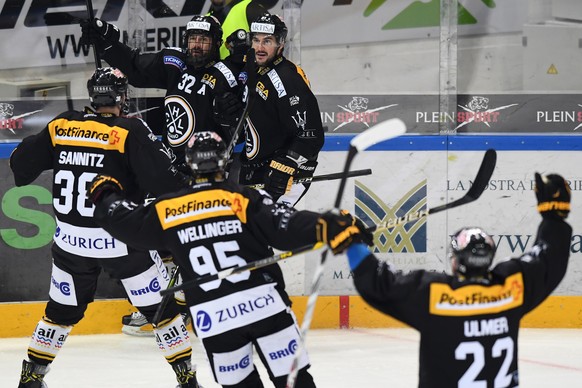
[
  {"x": 345, "y": 114},
  {"x": 50, "y": 29}
]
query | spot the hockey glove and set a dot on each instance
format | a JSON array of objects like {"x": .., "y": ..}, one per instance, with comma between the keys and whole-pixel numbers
[
  {"x": 553, "y": 194},
  {"x": 99, "y": 33},
  {"x": 227, "y": 109},
  {"x": 339, "y": 231},
  {"x": 238, "y": 43},
  {"x": 279, "y": 178},
  {"x": 103, "y": 184}
]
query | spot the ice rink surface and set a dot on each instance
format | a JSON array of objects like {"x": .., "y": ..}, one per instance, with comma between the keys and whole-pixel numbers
[{"x": 355, "y": 358}]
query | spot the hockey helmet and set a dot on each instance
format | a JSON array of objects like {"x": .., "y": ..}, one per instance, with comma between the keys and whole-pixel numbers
[
  {"x": 271, "y": 25},
  {"x": 108, "y": 87},
  {"x": 205, "y": 25},
  {"x": 205, "y": 153},
  {"x": 473, "y": 250}
]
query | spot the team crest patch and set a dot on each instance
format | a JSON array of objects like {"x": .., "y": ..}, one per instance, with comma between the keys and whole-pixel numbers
[{"x": 180, "y": 120}]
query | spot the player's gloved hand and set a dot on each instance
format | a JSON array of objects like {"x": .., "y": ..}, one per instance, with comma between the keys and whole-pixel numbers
[
  {"x": 227, "y": 108},
  {"x": 103, "y": 184},
  {"x": 553, "y": 194},
  {"x": 238, "y": 42},
  {"x": 279, "y": 178},
  {"x": 99, "y": 33},
  {"x": 341, "y": 229}
]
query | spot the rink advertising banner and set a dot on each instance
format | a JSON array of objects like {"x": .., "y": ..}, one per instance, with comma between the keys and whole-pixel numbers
[
  {"x": 344, "y": 114},
  {"x": 410, "y": 173},
  {"x": 48, "y": 31},
  {"x": 479, "y": 113},
  {"x": 415, "y": 173}
]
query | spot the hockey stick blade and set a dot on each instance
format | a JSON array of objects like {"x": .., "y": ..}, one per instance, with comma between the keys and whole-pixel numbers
[
  {"x": 236, "y": 270},
  {"x": 477, "y": 188},
  {"x": 321, "y": 178},
  {"x": 479, "y": 184},
  {"x": 380, "y": 132}
]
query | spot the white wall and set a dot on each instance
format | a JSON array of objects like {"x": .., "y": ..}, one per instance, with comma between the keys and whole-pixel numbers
[{"x": 485, "y": 64}]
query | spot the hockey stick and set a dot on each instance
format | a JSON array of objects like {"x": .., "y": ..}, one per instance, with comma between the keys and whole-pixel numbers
[
  {"x": 165, "y": 298},
  {"x": 380, "y": 132},
  {"x": 248, "y": 267},
  {"x": 250, "y": 70},
  {"x": 319, "y": 178},
  {"x": 91, "y": 14},
  {"x": 479, "y": 184}
]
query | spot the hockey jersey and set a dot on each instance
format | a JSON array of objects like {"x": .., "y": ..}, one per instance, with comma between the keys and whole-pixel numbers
[
  {"x": 284, "y": 115},
  {"x": 190, "y": 92},
  {"x": 211, "y": 227},
  {"x": 77, "y": 146},
  {"x": 469, "y": 330}
]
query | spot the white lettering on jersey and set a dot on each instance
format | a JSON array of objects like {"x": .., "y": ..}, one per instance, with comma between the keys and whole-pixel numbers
[
  {"x": 236, "y": 310},
  {"x": 230, "y": 78},
  {"x": 199, "y": 232},
  {"x": 87, "y": 242},
  {"x": 486, "y": 327},
  {"x": 81, "y": 158},
  {"x": 277, "y": 83}
]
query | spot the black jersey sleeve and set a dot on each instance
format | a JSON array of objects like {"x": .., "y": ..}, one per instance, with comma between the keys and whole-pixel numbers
[
  {"x": 299, "y": 112},
  {"x": 279, "y": 225},
  {"x": 143, "y": 70},
  {"x": 544, "y": 266},
  {"x": 136, "y": 225},
  {"x": 31, "y": 157},
  {"x": 403, "y": 296}
]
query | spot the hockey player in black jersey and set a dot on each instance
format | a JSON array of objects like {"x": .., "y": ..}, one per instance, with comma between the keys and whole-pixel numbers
[
  {"x": 469, "y": 321},
  {"x": 78, "y": 146},
  {"x": 214, "y": 225},
  {"x": 284, "y": 133},
  {"x": 202, "y": 93}
]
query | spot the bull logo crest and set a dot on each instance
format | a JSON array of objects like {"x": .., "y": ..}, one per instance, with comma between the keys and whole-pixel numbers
[
  {"x": 6, "y": 110},
  {"x": 358, "y": 104},
  {"x": 478, "y": 103}
]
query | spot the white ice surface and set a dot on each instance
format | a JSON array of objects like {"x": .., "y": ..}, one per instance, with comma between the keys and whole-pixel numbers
[{"x": 340, "y": 358}]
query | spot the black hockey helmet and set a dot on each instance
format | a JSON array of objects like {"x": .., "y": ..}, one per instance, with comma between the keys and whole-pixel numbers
[
  {"x": 271, "y": 25},
  {"x": 106, "y": 87},
  {"x": 206, "y": 25},
  {"x": 473, "y": 251},
  {"x": 205, "y": 153}
]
